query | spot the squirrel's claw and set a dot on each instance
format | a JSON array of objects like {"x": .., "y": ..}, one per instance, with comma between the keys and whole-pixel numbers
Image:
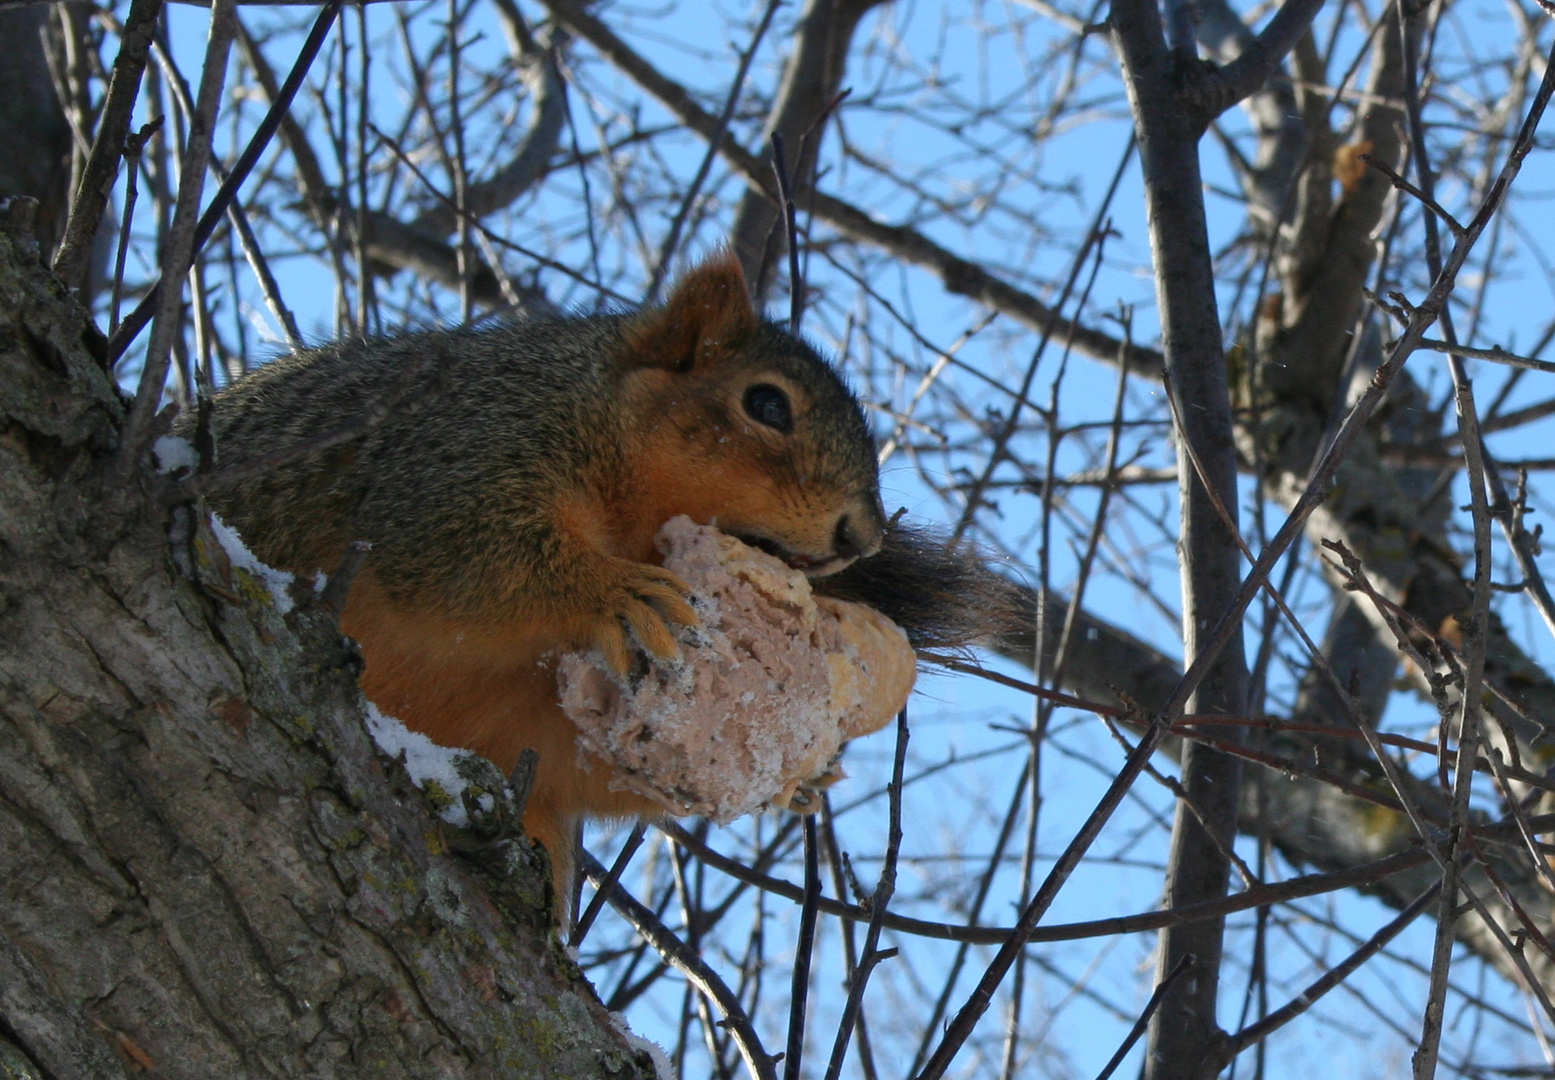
[
  {"x": 648, "y": 624},
  {"x": 610, "y": 639},
  {"x": 653, "y": 600},
  {"x": 669, "y": 600}
]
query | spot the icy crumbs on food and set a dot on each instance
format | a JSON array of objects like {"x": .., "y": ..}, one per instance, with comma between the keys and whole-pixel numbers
[{"x": 772, "y": 684}]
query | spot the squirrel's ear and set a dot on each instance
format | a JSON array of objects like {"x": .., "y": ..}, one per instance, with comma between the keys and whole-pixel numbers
[{"x": 709, "y": 309}]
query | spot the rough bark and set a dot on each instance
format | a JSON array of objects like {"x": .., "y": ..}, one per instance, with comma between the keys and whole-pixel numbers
[{"x": 205, "y": 867}]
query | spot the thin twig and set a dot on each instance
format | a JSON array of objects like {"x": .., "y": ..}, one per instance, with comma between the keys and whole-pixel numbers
[
  {"x": 269, "y": 287},
  {"x": 688, "y": 963},
  {"x": 143, "y": 312},
  {"x": 91, "y": 195},
  {"x": 1186, "y": 961},
  {"x": 1495, "y": 354},
  {"x": 1404, "y": 185},
  {"x": 1307, "y": 998},
  {"x": 732, "y": 99},
  {"x": 841, "y": 877},
  {"x": 133, "y": 147},
  {"x": 790, "y": 224},
  {"x": 1529, "y": 927},
  {"x": 961, "y": 1027},
  {"x": 182, "y": 244},
  {"x": 984, "y": 886},
  {"x": 580, "y": 929},
  {"x": 803, "y": 950},
  {"x": 1475, "y": 630},
  {"x": 878, "y": 901},
  {"x": 1006, "y": 432}
]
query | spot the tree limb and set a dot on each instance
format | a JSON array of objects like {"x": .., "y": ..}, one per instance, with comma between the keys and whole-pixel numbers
[
  {"x": 959, "y": 275},
  {"x": 1217, "y": 91}
]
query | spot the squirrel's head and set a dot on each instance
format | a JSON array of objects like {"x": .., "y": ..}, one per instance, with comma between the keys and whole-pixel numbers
[{"x": 745, "y": 426}]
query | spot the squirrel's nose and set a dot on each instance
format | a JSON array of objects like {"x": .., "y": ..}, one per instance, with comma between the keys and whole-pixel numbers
[{"x": 855, "y": 538}]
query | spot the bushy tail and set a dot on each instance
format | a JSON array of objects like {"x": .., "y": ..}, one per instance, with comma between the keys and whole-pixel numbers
[{"x": 944, "y": 596}]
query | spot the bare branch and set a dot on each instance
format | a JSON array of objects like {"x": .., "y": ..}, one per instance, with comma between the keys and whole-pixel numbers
[
  {"x": 1330, "y": 979},
  {"x": 811, "y": 82},
  {"x": 531, "y": 158},
  {"x": 1218, "y": 91},
  {"x": 959, "y": 275},
  {"x": 688, "y": 963},
  {"x": 102, "y": 166},
  {"x": 183, "y": 242},
  {"x": 132, "y": 326}
]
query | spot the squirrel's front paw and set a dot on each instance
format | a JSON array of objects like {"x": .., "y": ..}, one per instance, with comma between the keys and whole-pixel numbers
[{"x": 645, "y": 598}]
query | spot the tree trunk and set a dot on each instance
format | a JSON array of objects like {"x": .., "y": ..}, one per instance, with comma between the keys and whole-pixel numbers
[
  {"x": 206, "y": 869},
  {"x": 1184, "y": 1031}
]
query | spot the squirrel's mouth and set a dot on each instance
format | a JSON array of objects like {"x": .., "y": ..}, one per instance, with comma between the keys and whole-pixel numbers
[{"x": 809, "y": 565}]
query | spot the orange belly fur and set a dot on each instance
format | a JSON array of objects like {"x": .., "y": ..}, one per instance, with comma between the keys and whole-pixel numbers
[{"x": 491, "y": 690}]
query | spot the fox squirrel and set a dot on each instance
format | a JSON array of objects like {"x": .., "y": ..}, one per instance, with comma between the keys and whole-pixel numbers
[{"x": 512, "y": 497}]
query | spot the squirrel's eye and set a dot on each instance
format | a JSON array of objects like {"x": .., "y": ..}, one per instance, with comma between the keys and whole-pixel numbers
[{"x": 768, "y": 405}]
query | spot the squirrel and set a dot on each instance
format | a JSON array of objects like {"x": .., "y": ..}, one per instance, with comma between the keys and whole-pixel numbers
[{"x": 512, "y": 493}]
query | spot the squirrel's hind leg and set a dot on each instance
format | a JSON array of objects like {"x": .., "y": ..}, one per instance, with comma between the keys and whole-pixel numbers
[{"x": 559, "y": 834}]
